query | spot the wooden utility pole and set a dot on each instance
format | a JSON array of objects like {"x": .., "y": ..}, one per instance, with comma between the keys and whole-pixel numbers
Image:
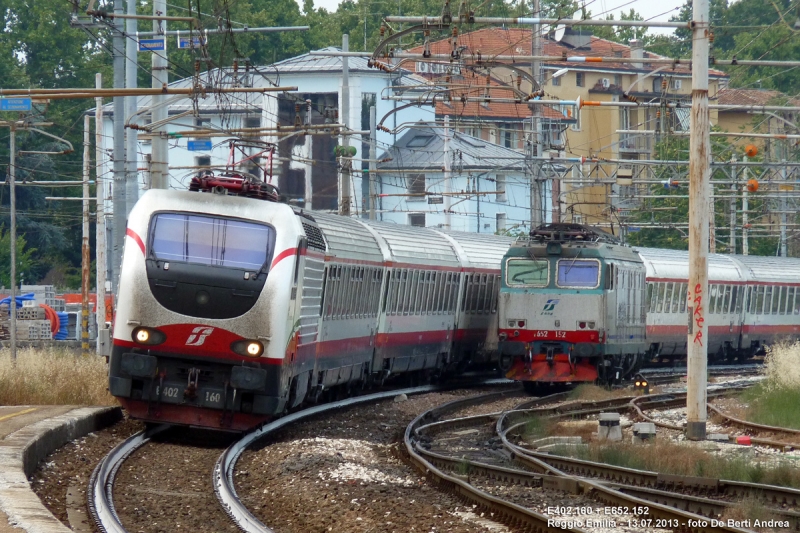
[{"x": 699, "y": 195}]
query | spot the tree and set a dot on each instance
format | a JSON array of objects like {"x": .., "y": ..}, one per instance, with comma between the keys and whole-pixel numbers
[{"x": 25, "y": 261}]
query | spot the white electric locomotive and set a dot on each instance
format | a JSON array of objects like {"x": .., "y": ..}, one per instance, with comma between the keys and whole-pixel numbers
[{"x": 234, "y": 309}]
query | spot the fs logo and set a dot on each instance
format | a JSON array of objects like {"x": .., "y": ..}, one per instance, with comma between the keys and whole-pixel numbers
[
  {"x": 198, "y": 336},
  {"x": 550, "y": 306}
]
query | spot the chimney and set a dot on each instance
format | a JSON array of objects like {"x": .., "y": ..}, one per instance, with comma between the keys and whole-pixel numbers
[
  {"x": 580, "y": 37},
  {"x": 637, "y": 51}
]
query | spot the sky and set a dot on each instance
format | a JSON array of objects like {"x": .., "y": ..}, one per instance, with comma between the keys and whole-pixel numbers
[{"x": 649, "y": 9}]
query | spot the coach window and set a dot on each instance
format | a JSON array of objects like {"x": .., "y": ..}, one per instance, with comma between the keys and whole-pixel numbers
[
  {"x": 437, "y": 292},
  {"x": 676, "y": 297},
  {"x": 578, "y": 273},
  {"x": 430, "y": 292},
  {"x": 668, "y": 297},
  {"x": 659, "y": 296},
  {"x": 725, "y": 299},
  {"x": 760, "y": 299},
  {"x": 712, "y": 298},
  {"x": 454, "y": 291},
  {"x": 481, "y": 293},
  {"x": 495, "y": 294},
  {"x": 766, "y": 302},
  {"x": 649, "y": 297},
  {"x": 776, "y": 300},
  {"x": 782, "y": 303},
  {"x": 789, "y": 300},
  {"x": 527, "y": 272},
  {"x": 396, "y": 287}
]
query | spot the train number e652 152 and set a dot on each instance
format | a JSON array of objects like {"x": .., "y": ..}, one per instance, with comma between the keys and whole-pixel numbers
[{"x": 546, "y": 334}]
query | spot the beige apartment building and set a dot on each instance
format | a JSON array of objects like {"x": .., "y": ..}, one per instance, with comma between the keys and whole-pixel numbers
[{"x": 590, "y": 134}]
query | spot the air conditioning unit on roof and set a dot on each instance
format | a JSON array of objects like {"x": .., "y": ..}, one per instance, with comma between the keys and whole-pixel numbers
[{"x": 606, "y": 83}]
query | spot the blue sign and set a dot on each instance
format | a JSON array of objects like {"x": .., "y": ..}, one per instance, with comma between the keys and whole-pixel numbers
[
  {"x": 15, "y": 104},
  {"x": 152, "y": 45},
  {"x": 194, "y": 42},
  {"x": 203, "y": 145}
]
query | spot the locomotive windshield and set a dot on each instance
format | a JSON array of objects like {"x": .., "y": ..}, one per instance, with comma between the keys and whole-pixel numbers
[
  {"x": 527, "y": 272},
  {"x": 213, "y": 241},
  {"x": 578, "y": 273}
]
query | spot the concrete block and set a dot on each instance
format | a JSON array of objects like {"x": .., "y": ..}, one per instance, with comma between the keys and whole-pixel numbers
[{"x": 609, "y": 428}]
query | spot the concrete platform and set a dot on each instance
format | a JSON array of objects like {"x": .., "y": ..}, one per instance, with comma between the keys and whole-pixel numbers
[{"x": 29, "y": 434}]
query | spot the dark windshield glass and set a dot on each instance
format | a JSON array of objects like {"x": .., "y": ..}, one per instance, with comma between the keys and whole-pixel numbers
[
  {"x": 213, "y": 241},
  {"x": 578, "y": 273}
]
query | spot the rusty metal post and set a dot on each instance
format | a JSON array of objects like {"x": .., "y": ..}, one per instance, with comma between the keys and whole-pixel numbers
[
  {"x": 85, "y": 260},
  {"x": 100, "y": 209},
  {"x": 699, "y": 194},
  {"x": 537, "y": 146}
]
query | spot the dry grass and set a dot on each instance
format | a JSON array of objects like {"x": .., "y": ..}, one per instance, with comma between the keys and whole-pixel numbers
[
  {"x": 672, "y": 458},
  {"x": 749, "y": 509},
  {"x": 592, "y": 393},
  {"x": 53, "y": 376},
  {"x": 783, "y": 365}
]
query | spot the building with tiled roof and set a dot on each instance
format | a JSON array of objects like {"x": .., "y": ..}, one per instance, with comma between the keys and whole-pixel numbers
[
  {"x": 594, "y": 131},
  {"x": 758, "y": 121},
  {"x": 488, "y": 183}
]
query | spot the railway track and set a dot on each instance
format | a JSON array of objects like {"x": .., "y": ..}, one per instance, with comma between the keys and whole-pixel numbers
[
  {"x": 688, "y": 501},
  {"x": 531, "y": 474},
  {"x": 100, "y": 495}
]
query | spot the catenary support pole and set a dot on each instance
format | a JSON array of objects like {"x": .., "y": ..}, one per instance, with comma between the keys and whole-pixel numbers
[
  {"x": 745, "y": 213},
  {"x": 699, "y": 216},
  {"x": 784, "y": 208},
  {"x": 12, "y": 238},
  {"x": 373, "y": 163},
  {"x": 344, "y": 173},
  {"x": 537, "y": 209},
  {"x": 100, "y": 209},
  {"x": 732, "y": 236},
  {"x": 131, "y": 157},
  {"x": 118, "y": 192},
  {"x": 85, "y": 259},
  {"x": 159, "y": 163},
  {"x": 448, "y": 186}
]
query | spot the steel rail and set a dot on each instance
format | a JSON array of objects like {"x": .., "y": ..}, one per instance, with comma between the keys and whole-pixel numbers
[
  {"x": 100, "y": 497},
  {"x": 505, "y": 511},
  {"x": 686, "y": 520},
  {"x": 222, "y": 476},
  {"x": 772, "y": 494}
]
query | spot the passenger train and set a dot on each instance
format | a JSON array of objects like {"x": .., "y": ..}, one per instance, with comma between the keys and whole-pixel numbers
[
  {"x": 233, "y": 309},
  {"x": 577, "y": 306}
]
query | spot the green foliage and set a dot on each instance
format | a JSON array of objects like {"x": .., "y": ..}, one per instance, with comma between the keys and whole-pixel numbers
[
  {"x": 773, "y": 405},
  {"x": 25, "y": 261}
]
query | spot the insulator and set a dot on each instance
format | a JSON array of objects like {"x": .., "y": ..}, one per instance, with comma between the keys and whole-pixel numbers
[
  {"x": 236, "y": 65},
  {"x": 666, "y": 113},
  {"x": 455, "y": 31},
  {"x": 630, "y": 97},
  {"x": 382, "y": 30},
  {"x": 664, "y": 84},
  {"x": 711, "y": 37},
  {"x": 519, "y": 82},
  {"x": 658, "y": 114},
  {"x": 384, "y": 128},
  {"x": 296, "y": 108}
]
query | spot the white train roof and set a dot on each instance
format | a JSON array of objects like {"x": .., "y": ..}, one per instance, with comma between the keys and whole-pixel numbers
[
  {"x": 415, "y": 245},
  {"x": 674, "y": 264},
  {"x": 770, "y": 269},
  {"x": 482, "y": 250},
  {"x": 348, "y": 238}
]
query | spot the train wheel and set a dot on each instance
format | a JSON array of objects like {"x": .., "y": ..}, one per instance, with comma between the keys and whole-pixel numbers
[{"x": 531, "y": 387}]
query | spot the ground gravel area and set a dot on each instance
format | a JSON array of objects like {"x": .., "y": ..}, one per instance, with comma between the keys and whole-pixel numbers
[
  {"x": 73, "y": 463},
  {"x": 345, "y": 472},
  {"x": 165, "y": 486}
]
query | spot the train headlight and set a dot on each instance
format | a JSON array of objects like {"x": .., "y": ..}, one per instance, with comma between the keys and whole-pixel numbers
[
  {"x": 148, "y": 336},
  {"x": 248, "y": 348}
]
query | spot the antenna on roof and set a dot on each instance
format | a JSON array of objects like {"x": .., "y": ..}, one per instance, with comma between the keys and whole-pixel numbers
[{"x": 559, "y": 33}]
